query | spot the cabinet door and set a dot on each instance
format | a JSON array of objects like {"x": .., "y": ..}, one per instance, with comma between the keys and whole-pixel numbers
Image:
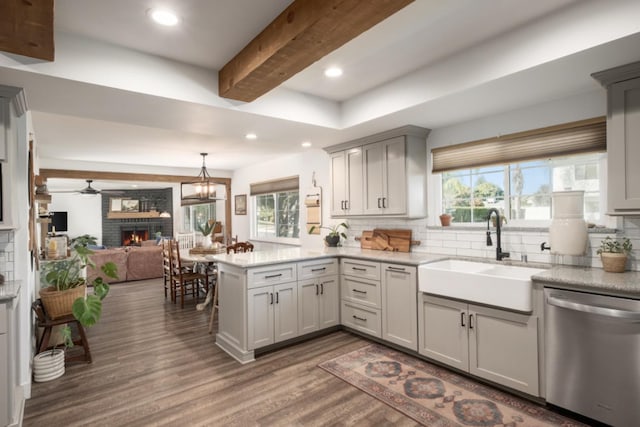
[
  {"x": 623, "y": 150},
  {"x": 260, "y": 317},
  {"x": 4, "y": 127},
  {"x": 442, "y": 331},
  {"x": 5, "y": 384},
  {"x": 285, "y": 316},
  {"x": 503, "y": 347},
  {"x": 329, "y": 302},
  {"x": 355, "y": 182},
  {"x": 308, "y": 306},
  {"x": 373, "y": 178},
  {"x": 339, "y": 178},
  {"x": 399, "y": 305},
  {"x": 395, "y": 177}
]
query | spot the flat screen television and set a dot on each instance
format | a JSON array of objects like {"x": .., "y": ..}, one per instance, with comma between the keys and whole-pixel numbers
[{"x": 59, "y": 221}]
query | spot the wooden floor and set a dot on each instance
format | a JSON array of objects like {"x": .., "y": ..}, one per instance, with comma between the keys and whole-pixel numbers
[{"x": 155, "y": 364}]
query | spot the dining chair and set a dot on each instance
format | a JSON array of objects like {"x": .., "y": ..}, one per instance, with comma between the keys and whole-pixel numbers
[
  {"x": 166, "y": 267},
  {"x": 183, "y": 280},
  {"x": 240, "y": 247},
  {"x": 186, "y": 240}
]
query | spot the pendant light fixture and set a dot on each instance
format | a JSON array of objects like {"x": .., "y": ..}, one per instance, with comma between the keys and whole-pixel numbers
[{"x": 202, "y": 189}]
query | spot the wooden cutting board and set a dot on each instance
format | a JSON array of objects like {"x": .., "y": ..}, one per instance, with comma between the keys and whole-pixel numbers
[
  {"x": 391, "y": 240},
  {"x": 366, "y": 240}
]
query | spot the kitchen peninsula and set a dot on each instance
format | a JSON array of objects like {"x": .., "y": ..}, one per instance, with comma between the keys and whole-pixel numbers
[{"x": 272, "y": 297}]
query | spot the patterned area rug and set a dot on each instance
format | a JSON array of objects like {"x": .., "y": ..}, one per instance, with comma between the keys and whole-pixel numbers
[{"x": 434, "y": 396}]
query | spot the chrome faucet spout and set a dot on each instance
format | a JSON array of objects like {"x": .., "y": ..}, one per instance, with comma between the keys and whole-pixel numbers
[{"x": 499, "y": 254}]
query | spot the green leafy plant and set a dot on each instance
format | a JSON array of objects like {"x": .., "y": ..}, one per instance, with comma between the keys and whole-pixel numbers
[
  {"x": 67, "y": 274},
  {"x": 207, "y": 227},
  {"x": 609, "y": 245},
  {"x": 334, "y": 230}
]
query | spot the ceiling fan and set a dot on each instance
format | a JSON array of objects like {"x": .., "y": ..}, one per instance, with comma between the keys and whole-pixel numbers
[{"x": 89, "y": 190}]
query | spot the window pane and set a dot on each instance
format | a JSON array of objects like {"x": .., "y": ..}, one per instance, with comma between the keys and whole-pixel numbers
[
  {"x": 287, "y": 220},
  {"x": 468, "y": 194},
  {"x": 277, "y": 215},
  {"x": 265, "y": 215}
]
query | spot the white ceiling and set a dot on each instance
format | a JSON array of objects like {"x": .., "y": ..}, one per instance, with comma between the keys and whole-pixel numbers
[{"x": 124, "y": 91}]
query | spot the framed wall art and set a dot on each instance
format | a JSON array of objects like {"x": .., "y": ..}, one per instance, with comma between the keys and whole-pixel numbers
[{"x": 241, "y": 204}]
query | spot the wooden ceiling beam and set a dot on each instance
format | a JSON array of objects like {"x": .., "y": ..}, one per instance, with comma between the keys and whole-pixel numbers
[
  {"x": 303, "y": 33},
  {"x": 44, "y": 174},
  {"x": 26, "y": 28}
]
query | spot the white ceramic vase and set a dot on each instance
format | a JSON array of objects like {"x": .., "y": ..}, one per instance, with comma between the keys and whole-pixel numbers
[{"x": 568, "y": 229}]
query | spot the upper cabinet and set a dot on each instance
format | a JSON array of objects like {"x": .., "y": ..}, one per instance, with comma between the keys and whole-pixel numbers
[
  {"x": 623, "y": 133},
  {"x": 4, "y": 127},
  {"x": 347, "y": 182},
  {"x": 384, "y": 174}
]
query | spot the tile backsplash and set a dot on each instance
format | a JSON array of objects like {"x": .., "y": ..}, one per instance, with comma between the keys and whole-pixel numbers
[
  {"x": 518, "y": 241},
  {"x": 7, "y": 254}
]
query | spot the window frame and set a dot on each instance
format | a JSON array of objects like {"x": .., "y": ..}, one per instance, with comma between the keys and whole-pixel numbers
[
  {"x": 435, "y": 187},
  {"x": 253, "y": 211}
]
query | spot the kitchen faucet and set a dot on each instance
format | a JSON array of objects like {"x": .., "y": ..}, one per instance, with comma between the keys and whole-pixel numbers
[{"x": 499, "y": 253}]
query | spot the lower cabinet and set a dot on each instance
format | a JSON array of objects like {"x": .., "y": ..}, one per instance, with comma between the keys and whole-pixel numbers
[
  {"x": 272, "y": 314},
  {"x": 318, "y": 304},
  {"x": 400, "y": 305},
  {"x": 498, "y": 345}
]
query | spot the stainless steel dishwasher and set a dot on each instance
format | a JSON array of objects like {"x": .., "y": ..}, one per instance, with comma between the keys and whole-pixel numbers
[{"x": 593, "y": 355}]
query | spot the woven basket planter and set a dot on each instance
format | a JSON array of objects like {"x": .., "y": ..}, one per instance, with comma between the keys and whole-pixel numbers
[
  {"x": 613, "y": 262},
  {"x": 58, "y": 303}
]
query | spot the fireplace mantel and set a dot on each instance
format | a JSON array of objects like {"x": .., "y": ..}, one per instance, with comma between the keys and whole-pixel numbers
[{"x": 130, "y": 215}]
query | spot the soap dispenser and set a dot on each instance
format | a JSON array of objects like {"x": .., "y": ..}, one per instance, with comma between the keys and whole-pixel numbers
[{"x": 568, "y": 230}]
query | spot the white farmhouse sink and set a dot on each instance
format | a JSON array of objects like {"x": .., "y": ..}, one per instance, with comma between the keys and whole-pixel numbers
[{"x": 504, "y": 286}]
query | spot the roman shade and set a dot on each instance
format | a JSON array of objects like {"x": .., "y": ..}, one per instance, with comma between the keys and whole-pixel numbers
[
  {"x": 291, "y": 183},
  {"x": 584, "y": 136}
]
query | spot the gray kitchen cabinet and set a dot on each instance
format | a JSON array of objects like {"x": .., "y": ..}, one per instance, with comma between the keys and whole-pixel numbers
[
  {"x": 384, "y": 175},
  {"x": 387, "y": 172},
  {"x": 361, "y": 296},
  {"x": 272, "y": 314},
  {"x": 623, "y": 150},
  {"x": 4, "y": 127},
  {"x": 399, "y": 305},
  {"x": 10, "y": 396},
  {"x": 497, "y": 345},
  {"x": 623, "y": 133},
  {"x": 318, "y": 304},
  {"x": 346, "y": 182}
]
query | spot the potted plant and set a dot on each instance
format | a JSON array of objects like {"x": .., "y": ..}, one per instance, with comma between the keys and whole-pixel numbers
[
  {"x": 66, "y": 291},
  {"x": 206, "y": 230},
  {"x": 613, "y": 254},
  {"x": 333, "y": 238}
]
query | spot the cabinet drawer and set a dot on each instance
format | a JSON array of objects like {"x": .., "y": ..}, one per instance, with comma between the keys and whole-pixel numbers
[
  {"x": 361, "y": 318},
  {"x": 361, "y": 269},
  {"x": 317, "y": 268},
  {"x": 361, "y": 291},
  {"x": 271, "y": 275}
]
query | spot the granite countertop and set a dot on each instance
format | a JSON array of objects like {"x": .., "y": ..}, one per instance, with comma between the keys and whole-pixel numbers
[
  {"x": 592, "y": 280},
  {"x": 9, "y": 290},
  {"x": 260, "y": 258}
]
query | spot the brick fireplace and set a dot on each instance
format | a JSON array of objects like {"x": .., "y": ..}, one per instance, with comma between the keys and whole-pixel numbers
[{"x": 130, "y": 231}]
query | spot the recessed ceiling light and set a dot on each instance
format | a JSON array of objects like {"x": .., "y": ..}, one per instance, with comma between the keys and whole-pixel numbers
[
  {"x": 251, "y": 136},
  {"x": 333, "y": 72},
  {"x": 306, "y": 144},
  {"x": 163, "y": 17}
]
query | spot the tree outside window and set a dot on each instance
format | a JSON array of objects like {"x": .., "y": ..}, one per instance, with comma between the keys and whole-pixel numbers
[{"x": 277, "y": 215}]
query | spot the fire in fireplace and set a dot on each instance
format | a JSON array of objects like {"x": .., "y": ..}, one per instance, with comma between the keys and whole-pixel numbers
[{"x": 134, "y": 237}]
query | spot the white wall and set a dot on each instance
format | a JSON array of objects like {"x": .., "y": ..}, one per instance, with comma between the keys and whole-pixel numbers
[
  {"x": 84, "y": 214},
  {"x": 304, "y": 165}
]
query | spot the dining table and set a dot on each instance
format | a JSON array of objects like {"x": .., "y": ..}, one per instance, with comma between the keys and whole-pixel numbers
[{"x": 203, "y": 258}]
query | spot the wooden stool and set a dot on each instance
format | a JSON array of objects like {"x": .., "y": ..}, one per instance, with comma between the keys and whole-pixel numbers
[{"x": 44, "y": 321}]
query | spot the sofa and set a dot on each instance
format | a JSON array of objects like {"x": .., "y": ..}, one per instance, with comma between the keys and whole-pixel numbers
[{"x": 133, "y": 263}]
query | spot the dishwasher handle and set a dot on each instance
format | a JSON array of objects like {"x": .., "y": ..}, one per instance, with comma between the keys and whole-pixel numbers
[{"x": 593, "y": 309}]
